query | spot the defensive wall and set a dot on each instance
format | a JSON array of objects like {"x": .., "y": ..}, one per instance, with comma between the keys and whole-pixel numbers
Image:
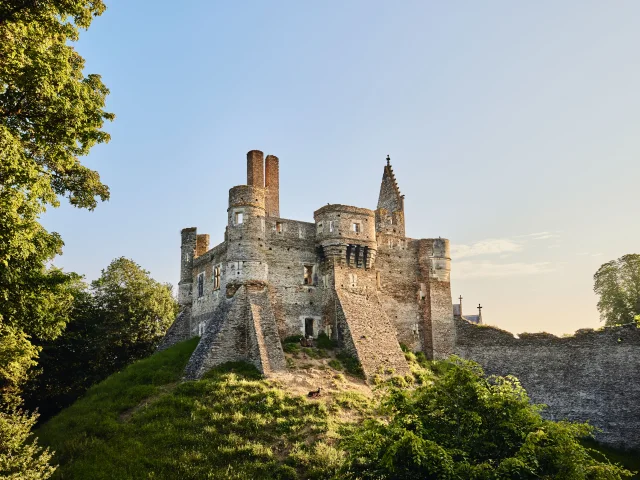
[{"x": 592, "y": 376}]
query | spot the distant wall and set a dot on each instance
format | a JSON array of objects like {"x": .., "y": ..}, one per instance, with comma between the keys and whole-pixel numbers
[{"x": 592, "y": 376}]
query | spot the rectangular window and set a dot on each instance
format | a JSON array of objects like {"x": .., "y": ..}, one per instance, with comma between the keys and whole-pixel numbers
[
  {"x": 279, "y": 227},
  {"x": 216, "y": 277},
  {"x": 331, "y": 226},
  {"x": 239, "y": 218},
  {"x": 200, "y": 285},
  {"x": 353, "y": 279},
  {"x": 308, "y": 275},
  {"x": 356, "y": 227}
]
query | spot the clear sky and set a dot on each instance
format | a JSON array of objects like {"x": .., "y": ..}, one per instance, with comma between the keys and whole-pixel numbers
[{"x": 513, "y": 129}]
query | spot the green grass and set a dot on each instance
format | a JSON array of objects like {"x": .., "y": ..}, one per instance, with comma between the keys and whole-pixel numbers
[{"x": 140, "y": 423}]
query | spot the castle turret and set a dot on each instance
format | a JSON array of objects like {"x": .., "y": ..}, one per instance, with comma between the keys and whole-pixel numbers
[
  {"x": 246, "y": 235},
  {"x": 187, "y": 251},
  {"x": 347, "y": 235},
  {"x": 390, "y": 211}
]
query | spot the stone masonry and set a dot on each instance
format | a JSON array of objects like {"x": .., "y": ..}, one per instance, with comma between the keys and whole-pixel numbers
[
  {"x": 354, "y": 275},
  {"x": 351, "y": 274}
]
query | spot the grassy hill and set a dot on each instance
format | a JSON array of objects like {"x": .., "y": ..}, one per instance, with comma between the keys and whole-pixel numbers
[{"x": 144, "y": 423}]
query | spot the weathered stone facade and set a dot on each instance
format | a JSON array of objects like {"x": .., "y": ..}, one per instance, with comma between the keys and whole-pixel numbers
[
  {"x": 590, "y": 376},
  {"x": 351, "y": 274}
]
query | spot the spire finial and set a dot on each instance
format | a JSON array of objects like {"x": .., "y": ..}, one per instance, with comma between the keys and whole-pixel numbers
[{"x": 388, "y": 160}]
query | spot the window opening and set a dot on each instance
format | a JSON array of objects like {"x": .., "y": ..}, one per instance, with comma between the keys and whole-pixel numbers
[
  {"x": 278, "y": 227},
  {"x": 216, "y": 277},
  {"x": 262, "y": 224},
  {"x": 331, "y": 226},
  {"x": 378, "y": 281},
  {"x": 239, "y": 218},
  {"x": 358, "y": 256},
  {"x": 308, "y": 275},
  {"x": 200, "y": 285},
  {"x": 356, "y": 227},
  {"x": 308, "y": 327},
  {"x": 349, "y": 248},
  {"x": 365, "y": 254}
]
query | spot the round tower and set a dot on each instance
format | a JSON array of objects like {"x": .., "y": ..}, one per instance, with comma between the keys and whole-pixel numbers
[
  {"x": 246, "y": 235},
  {"x": 347, "y": 234}
]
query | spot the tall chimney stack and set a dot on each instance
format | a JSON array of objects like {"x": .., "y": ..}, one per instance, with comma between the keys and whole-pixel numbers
[
  {"x": 255, "y": 168},
  {"x": 272, "y": 182}
]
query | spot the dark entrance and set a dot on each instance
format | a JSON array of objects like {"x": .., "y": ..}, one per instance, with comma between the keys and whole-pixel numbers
[{"x": 308, "y": 327}]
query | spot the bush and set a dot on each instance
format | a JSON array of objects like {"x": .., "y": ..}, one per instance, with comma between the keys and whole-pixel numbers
[
  {"x": 466, "y": 425},
  {"x": 293, "y": 339},
  {"x": 325, "y": 342},
  {"x": 291, "y": 348},
  {"x": 351, "y": 364},
  {"x": 336, "y": 365}
]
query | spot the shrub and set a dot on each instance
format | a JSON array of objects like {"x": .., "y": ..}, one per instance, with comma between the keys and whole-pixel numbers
[
  {"x": 336, "y": 365},
  {"x": 325, "y": 342},
  {"x": 351, "y": 364}
]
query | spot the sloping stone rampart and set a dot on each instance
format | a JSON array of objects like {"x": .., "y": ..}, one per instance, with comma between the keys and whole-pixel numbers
[
  {"x": 178, "y": 331},
  {"x": 265, "y": 331},
  {"x": 369, "y": 333},
  {"x": 591, "y": 376}
]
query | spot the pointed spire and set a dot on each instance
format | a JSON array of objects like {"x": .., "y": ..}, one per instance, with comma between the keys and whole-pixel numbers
[{"x": 390, "y": 197}]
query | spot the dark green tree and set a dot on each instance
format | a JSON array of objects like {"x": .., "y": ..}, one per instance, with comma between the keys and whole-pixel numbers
[
  {"x": 50, "y": 115},
  {"x": 119, "y": 320},
  {"x": 618, "y": 284},
  {"x": 468, "y": 426}
]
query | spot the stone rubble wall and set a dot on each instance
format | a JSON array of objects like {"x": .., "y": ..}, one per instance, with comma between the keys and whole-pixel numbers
[
  {"x": 592, "y": 376},
  {"x": 264, "y": 328},
  {"x": 368, "y": 333},
  {"x": 178, "y": 331}
]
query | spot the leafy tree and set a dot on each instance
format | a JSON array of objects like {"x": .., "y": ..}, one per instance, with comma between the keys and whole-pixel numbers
[
  {"x": 50, "y": 114},
  {"x": 21, "y": 458},
  {"x": 468, "y": 426},
  {"x": 122, "y": 318},
  {"x": 618, "y": 284}
]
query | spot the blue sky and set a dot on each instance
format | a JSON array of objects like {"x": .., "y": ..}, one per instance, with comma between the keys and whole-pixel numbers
[{"x": 512, "y": 128}]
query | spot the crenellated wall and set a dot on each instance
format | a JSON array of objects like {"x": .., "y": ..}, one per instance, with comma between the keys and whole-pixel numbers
[{"x": 591, "y": 376}]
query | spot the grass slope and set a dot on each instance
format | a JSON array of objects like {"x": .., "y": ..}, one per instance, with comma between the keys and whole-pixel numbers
[
  {"x": 141, "y": 423},
  {"x": 144, "y": 423}
]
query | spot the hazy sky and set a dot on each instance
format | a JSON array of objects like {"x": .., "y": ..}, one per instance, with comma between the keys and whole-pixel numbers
[{"x": 513, "y": 129}]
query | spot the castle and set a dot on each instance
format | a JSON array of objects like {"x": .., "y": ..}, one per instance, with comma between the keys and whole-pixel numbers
[{"x": 352, "y": 274}]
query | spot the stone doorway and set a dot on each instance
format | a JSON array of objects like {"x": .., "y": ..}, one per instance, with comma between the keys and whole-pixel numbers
[{"x": 308, "y": 327}]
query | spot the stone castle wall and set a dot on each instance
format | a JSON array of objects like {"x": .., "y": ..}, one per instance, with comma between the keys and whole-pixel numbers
[{"x": 590, "y": 376}]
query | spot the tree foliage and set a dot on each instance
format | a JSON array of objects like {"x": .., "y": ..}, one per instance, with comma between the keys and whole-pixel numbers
[
  {"x": 618, "y": 284},
  {"x": 50, "y": 114},
  {"x": 120, "y": 319},
  {"x": 468, "y": 426}
]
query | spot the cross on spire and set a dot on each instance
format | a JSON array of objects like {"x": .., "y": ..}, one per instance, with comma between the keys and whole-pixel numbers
[{"x": 480, "y": 310}]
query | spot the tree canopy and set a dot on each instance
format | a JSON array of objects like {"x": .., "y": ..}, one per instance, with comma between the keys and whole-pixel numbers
[
  {"x": 121, "y": 318},
  {"x": 465, "y": 425},
  {"x": 618, "y": 284},
  {"x": 50, "y": 115}
]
